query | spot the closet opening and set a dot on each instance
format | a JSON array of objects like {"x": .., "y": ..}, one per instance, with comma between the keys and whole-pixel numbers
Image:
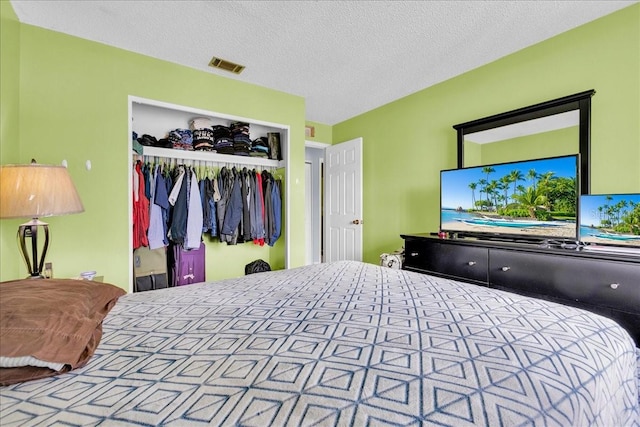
[{"x": 205, "y": 144}]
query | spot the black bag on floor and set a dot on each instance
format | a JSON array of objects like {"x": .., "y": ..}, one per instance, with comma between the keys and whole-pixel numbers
[
  {"x": 150, "y": 269},
  {"x": 257, "y": 266}
]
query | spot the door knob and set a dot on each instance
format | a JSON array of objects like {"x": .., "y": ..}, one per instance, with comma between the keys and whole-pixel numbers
[{"x": 355, "y": 221}]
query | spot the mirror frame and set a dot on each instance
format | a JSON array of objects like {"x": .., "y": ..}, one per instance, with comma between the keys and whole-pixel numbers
[{"x": 579, "y": 101}]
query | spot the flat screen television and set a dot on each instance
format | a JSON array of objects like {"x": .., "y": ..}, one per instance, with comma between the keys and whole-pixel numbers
[
  {"x": 610, "y": 219},
  {"x": 534, "y": 200}
]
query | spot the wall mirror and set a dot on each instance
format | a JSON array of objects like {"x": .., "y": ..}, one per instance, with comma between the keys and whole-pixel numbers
[{"x": 553, "y": 128}]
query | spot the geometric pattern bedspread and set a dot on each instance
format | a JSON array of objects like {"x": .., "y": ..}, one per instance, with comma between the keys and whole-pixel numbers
[{"x": 341, "y": 344}]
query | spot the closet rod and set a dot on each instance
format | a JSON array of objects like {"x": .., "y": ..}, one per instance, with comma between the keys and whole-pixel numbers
[
  {"x": 212, "y": 157},
  {"x": 207, "y": 163}
]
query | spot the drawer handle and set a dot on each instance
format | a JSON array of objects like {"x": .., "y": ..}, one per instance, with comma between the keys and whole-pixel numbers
[
  {"x": 414, "y": 254},
  {"x": 471, "y": 263},
  {"x": 614, "y": 285},
  {"x": 505, "y": 268}
]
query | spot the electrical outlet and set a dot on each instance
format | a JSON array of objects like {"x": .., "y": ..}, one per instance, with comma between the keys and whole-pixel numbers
[{"x": 48, "y": 270}]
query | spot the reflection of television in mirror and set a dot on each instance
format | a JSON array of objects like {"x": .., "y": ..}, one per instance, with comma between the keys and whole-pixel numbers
[
  {"x": 610, "y": 219},
  {"x": 532, "y": 200}
]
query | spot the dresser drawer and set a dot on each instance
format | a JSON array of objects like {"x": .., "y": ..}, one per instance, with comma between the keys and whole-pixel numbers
[
  {"x": 590, "y": 281},
  {"x": 462, "y": 262}
]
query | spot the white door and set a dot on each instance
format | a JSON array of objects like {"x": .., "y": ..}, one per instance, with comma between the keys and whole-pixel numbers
[
  {"x": 308, "y": 194},
  {"x": 343, "y": 201}
]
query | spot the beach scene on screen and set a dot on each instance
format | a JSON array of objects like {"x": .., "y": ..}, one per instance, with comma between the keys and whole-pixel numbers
[
  {"x": 529, "y": 198},
  {"x": 610, "y": 219}
]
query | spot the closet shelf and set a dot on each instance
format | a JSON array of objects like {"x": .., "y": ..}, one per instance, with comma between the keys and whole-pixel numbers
[{"x": 206, "y": 156}]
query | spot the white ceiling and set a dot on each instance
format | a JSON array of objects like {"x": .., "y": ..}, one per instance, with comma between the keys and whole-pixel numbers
[{"x": 343, "y": 57}]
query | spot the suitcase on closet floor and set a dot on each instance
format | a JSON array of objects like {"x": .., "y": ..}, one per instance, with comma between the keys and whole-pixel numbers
[
  {"x": 187, "y": 266},
  {"x": 150, "y": 269}
]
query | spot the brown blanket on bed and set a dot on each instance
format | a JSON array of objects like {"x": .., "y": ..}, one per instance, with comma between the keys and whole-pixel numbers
[{"x": 52, "y": 320}]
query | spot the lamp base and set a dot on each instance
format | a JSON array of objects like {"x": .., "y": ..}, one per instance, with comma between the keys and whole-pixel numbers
[{"x": 30, "y": 230}]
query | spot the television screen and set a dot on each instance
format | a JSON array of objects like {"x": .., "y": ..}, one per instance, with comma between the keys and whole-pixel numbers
[
  {"x": 535, "y": 199},
  {"x": 610, "y": 219}
]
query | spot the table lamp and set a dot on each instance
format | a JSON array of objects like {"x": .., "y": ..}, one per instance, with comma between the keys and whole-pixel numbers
[{"x": 36, "y": 191}]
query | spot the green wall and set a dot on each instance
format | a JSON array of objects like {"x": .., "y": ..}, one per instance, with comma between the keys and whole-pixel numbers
[
  {"x": 559, "y": 142},
  {"x": 407, "y": 142},
  {"x": 74, "y": 106},
  {"x": 9, "y": 82},
  {"x": 323, "y": 133},
  {"x": 9, "y": 128}
]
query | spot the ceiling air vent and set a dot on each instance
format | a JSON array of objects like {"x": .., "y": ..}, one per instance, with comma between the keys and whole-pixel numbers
[{"x": 226, "y": 65}]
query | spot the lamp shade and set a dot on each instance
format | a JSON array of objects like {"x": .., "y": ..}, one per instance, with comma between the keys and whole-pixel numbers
[{"x": 37, "y": 191}]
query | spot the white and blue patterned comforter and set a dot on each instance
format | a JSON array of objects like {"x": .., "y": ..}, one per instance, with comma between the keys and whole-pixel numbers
[{"x": 342, "y": 344}]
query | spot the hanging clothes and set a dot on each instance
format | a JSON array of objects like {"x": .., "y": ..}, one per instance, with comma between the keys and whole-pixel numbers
[
  {"x": 237, "y": 206},
  {"x": 167, "y": 174},
  {"x": 161, "y": 199},
  {"x": 246, "y": 205},
  {"x": 267, "y": 183},
  {"x": 225, "y": 184},
  {"x": 140, "y": 208},
  {"x": 260, "y": 212},
  {"x": 233, "y": 211},
  {"x": 178, "y": 199},
  {"x": 256, "y": 209},
  {"x": 177, "y": 183},
  {"x": 193, "y": 235},
  {"x": 209, "y": 217},
  {"x": 276, "y": 206},
  {"x": 146, "y": 172},
  {"x": 156, "y": 233}
]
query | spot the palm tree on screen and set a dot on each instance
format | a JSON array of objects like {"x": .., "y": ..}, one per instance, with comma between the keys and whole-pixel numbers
[
  {"x": 530, "y": 199},
  {"x": 532, "y": 175},
  {"x": 515, "y": 176},
  {"x": 473, "y": 187},
  {"x": 483, "y": 187},
  {"x": 505, "y": 181}
]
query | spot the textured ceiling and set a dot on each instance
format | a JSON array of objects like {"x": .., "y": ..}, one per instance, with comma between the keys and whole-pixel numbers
[{"x": 343, "y": 57}]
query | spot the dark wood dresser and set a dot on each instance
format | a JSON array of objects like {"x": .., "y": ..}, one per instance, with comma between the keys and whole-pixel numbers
[{"x": 605, "y": 283}]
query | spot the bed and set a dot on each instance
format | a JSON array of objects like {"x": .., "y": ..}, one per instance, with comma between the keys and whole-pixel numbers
[{"x": 341, "y": 344}]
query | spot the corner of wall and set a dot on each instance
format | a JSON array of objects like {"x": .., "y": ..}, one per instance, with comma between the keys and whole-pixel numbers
[{"x": 322, "y": 132}]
